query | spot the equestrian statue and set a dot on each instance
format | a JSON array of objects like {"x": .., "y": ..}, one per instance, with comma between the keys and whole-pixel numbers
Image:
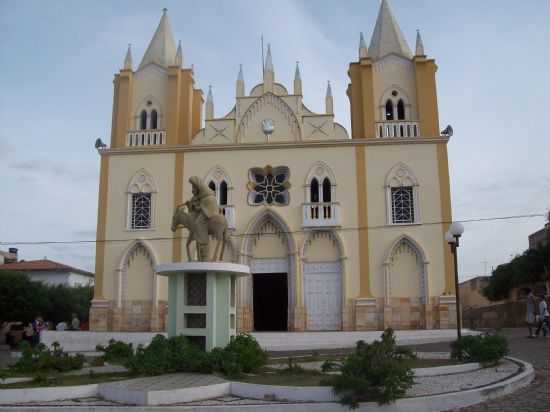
[{"x": 202, "y": 219}]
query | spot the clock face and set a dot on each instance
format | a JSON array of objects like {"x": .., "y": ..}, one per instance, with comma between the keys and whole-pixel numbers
[{"x": 267, "y": 126}]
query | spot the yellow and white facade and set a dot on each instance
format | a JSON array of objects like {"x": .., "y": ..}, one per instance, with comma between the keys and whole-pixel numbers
[{"x": 355, "y": 242}]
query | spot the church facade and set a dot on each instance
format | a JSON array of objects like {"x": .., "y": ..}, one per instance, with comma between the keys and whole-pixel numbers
[{"x": 342, "y": 231}]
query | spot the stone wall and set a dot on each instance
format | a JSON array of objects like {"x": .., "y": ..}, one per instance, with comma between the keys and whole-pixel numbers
[
  {"x": 504, "y": 315},
  {"x": 132, "y": 316}
]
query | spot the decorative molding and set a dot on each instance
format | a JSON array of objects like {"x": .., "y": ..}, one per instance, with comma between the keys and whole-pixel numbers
[
  {"x": 322, "y": 267},
  {"x": 271, "y": 265}
]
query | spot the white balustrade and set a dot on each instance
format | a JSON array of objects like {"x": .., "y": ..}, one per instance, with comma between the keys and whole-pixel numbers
[
  {"x": 321, "y": 215},
  {"x": 229, "y": 213},
  {"x": 397, "y": 129},
  {"x": 146, "y": 137}
]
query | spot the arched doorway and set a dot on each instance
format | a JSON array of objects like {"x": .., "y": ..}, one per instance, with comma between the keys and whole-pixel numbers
[
  {"x": 323, "y": 281},
  {"x": 266, "y": 299},
  {"x": 406, "y": 285}
]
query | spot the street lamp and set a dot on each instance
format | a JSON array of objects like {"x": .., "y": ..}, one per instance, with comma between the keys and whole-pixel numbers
[{"x": 452, "y": 237}]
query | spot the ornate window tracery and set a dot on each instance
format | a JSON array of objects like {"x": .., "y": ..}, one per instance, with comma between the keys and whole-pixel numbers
[
  {"x": 402, "y": 196},
  {"x": 141, "y": 198},
  {"x": 269, "y": 186}
]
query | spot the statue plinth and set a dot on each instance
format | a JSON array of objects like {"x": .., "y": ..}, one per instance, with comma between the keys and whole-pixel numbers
[{"x": 202, "y": 300}]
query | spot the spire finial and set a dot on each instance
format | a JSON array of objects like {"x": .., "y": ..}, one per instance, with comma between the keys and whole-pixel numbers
[
  {"x": 179, "y": 55},
  {"x": 419, "y": 44},
  {"x": 297, "y": 80},
  {"x": 363, "y": 51},
  {"x": 329, "y": 103},
  {"x": 240, "y": 82},
  {"x": 209, "y": 107},
  {"x": 162, "y": 48},
  {"x": 387, "y": 37},
  {"x": 164, "y": 10},
  {"x": 268, "y": 59},
  {"x": 128, "y": 58}
]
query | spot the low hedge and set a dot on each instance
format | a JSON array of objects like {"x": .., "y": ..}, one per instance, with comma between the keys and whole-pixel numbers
[
  {"x": 487, "y": 350},
  {"x": 40, "y": 359}
]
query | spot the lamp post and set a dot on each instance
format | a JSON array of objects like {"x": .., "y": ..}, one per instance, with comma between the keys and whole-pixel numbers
[{"x": 452, "y": 237}]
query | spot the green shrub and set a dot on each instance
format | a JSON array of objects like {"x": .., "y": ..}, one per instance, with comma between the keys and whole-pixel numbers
[
  {"x": 250, "y": 356},
  {"x": 178, "y": 354},
  {"x": 378, "y": 372},
  {"x": 116, "y": 351},
  {"x": 487, "y": 350},
  {"x": 42, "y": 359}
]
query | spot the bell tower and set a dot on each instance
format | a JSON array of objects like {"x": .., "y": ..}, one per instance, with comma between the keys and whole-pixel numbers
[{"x": 392, "y": 91}]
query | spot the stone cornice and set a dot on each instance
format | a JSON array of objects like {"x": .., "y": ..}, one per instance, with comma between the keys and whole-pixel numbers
[{"x": 269, "y": 146}]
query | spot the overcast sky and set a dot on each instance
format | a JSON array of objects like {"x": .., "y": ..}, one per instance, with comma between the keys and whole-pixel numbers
[{"x": 58, "y": 58}]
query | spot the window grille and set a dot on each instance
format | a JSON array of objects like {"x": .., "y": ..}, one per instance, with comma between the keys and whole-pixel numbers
[
  {"x": 402, "y": 202},
  {"x": 141, "y": 210}
]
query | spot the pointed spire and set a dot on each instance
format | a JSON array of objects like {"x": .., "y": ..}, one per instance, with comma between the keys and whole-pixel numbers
[
  {"x": 162, "y": 48},
  {"x": 209, "y": 105},
  {"x": 128, "y": 59},
  {"x": 269, "y": 72},
  {"x": 179, "y": 55},
  {"x": 419, "y": 45},
  {"x": 268, "y": 60},
  {"x": 240, "y": 82},
  {"x": 297, "y": 81},
  {"x": 363, "y": 51},
  {"x": 329, "y": 103},
  {"x": 387, "y": 37}
]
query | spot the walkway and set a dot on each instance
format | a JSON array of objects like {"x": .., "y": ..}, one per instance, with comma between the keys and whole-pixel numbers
[{"x": 534, "y": 398}]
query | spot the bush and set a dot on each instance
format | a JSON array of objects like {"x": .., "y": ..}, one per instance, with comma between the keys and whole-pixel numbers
[
  {"x": 378, "y": 372},
  {"x": 487, "y": 350},
  {"x": 249, "y": 355},
  {"x": 116, "y": 351},
  {"x": 178, "y": 354},
  {"x": 42, "y": 359}
]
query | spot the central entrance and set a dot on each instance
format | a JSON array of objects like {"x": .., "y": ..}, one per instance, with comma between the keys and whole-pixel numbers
[{"x": 270, "y": 301}]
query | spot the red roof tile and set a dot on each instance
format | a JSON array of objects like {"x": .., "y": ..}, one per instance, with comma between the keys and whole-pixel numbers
[{"x": 41, "y": 265}]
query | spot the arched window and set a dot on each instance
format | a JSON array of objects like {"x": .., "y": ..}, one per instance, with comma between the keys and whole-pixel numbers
[
  {"x": 314, "y": 190},
  {"x": 327, "y": 189},
  {"x": 223, "y": 193},
  {"x": 143, "y": 120},
  {"x": 389, "y": 110},
  {"x": 212, "y": 186},
  {"x": 400, "y": 110},
  {"x": 141, "y": 192},
  {"x": 154, "y": 120},
  {"x": 402, "y": 195}
]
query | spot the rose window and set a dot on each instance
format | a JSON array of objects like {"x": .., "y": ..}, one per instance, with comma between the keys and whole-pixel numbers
[{"x": 269, "y": 185}]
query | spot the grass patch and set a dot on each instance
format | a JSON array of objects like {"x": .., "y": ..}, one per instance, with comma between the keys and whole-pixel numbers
[
  {"x": 284, "y": 378},
  {"x": 71, "y": 380}
]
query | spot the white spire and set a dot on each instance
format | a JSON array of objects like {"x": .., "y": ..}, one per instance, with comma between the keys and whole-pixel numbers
[
  {"x": 329, "y": 103},
  {"x": 419, "y": 45},
  {"x": 387, "y": 37},
  {"x": 240, "y": 82},
  {"x": 179, "y": 56},
  {"x": 363, "y": 51},
  {"x": 162, "y": 48},
  {"x": 128, "y": 59},
  {"x": 209, "y": 105},
  {"x": 297, "y": 81},
  {"x": 269, "y": 72},
  {"x": 268, "y": 60}
]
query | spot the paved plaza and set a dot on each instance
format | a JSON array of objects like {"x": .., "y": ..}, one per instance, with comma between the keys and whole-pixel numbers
[{"x": 535, "y": 397}]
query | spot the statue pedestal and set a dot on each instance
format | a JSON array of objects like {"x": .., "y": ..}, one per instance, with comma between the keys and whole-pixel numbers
[{"x": 202, "y": 300}]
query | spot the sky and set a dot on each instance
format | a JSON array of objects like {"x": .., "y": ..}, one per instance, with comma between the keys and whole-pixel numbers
[{"x": 58, "y": 59}]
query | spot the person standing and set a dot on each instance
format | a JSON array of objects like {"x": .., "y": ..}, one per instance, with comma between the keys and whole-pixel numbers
[
  {"x": 531, "y": 312},
  {"x": 543, "y": 316}
]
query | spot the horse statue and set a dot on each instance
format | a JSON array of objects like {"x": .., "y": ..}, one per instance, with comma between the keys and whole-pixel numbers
[{"x": 203, "y": 220}]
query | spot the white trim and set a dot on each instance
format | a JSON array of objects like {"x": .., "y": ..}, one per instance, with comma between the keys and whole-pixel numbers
[{"x": 401, "y": 175}]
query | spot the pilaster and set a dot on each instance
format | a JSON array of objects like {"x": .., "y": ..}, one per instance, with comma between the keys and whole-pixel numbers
[
  {"x": 122, "y": 107},
  {"x": 426, "y": 92}
]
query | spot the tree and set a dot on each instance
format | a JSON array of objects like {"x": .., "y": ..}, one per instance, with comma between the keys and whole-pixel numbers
[{"x": 21, "y": 299}]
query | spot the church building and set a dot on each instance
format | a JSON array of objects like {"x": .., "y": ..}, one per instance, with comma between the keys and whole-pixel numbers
[{"x": 342, "y": 230}]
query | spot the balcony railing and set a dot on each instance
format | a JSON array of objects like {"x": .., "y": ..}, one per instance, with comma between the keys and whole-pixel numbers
[
  {"x": 321, "y": 214},
  {"x": 398, "y": 129},
  {"x": 229, "y": 213},
  {"x": 146, "y": 138}
]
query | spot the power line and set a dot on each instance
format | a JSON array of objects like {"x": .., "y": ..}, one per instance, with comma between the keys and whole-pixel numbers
[{"x": 242, "y": 235}]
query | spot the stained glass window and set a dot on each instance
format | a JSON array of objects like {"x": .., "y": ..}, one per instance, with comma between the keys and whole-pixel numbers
[
  {"x": 269, "y": 186},
  {"x": 141, "y": 210},
  {"x": 402, "y": 202}
]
